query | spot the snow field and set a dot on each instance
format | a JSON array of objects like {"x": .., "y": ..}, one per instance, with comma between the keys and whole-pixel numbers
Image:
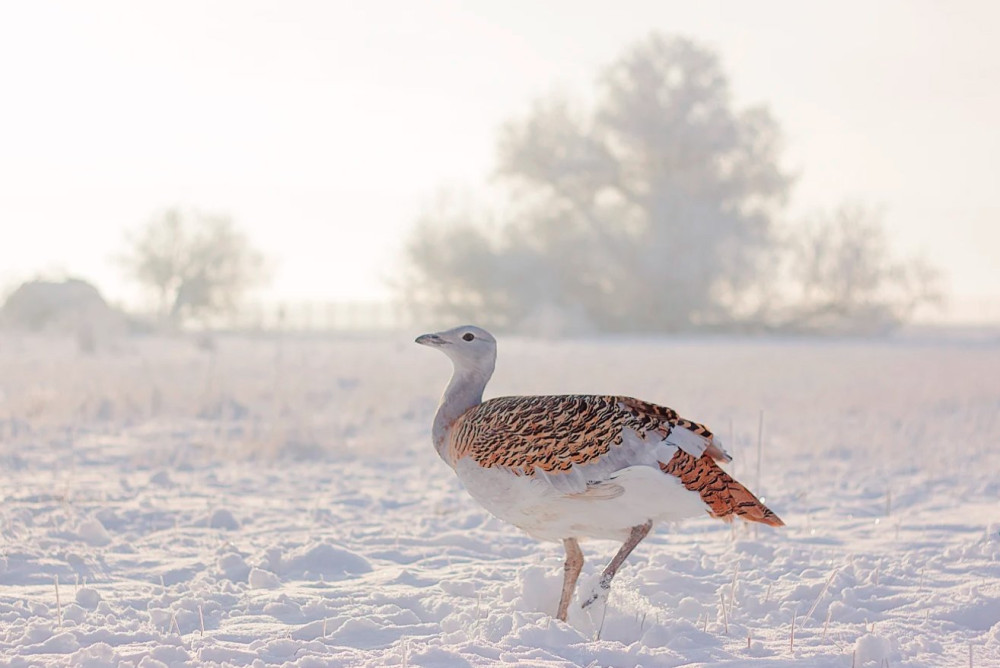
[{"x": 277, "y": 502}]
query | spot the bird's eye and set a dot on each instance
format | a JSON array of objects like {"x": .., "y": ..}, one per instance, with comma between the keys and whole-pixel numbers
[{"x": 468, "y": 336}]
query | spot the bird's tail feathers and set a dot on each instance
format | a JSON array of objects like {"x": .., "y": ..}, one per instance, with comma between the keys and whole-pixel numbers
[{"x": 723, "y": 495}]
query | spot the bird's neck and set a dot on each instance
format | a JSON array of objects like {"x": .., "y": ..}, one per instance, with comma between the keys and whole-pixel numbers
[{"x": 463, "y": 392}]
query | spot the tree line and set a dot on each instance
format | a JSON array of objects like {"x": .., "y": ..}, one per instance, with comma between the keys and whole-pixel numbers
[{"x": 657, "y": 208}]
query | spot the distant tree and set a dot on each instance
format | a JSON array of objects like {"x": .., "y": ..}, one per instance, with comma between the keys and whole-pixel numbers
[
  {"x": 457, "y": 268},
  {"x": 646, "y": 212},
  {"x": 197, "y": 265},
  {"x": 847, "y": 279}
]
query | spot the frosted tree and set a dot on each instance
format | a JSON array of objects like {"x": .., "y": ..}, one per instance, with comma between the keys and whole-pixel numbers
[
  {"x": 460, "y": 266},
  {"x": 196, "y": 265},
  {"x": 846, "y": 278},
  {"x": 645, "y": 212},
  {"x": 655, "y": 208}
]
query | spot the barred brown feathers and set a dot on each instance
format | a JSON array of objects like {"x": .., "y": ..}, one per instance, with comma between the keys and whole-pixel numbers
[
  {"x": 553, "y": 433},
  {"x": 723, "y": 495}
]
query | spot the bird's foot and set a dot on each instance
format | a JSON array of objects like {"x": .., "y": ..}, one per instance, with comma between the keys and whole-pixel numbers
[{"x": 598, "y": 593}]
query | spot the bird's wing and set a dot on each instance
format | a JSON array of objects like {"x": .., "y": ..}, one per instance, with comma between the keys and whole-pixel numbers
[{"x": 553, "y": 434}]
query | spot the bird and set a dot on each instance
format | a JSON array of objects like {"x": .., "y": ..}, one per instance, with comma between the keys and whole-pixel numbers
[{"x": 565, "y": 468}]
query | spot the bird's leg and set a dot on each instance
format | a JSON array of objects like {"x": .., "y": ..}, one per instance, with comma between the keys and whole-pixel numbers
[
  {"x": 574, "y": 564},
  {"x": 604, "y": 585}
]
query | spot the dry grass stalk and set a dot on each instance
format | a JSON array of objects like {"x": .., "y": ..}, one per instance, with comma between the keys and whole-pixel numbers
[
  {"x": 760, "y": 447},
  {"x": 822, "y": 593},
  {"x": 725, "y": 617},
  {"x": 58, "y": 602},
  {"x": 732, "y": 588}
]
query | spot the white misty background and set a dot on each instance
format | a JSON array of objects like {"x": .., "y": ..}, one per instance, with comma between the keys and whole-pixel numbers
[{"x": 658, "y": 207}]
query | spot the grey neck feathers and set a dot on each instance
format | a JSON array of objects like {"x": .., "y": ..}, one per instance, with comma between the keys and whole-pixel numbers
[{"x": 463, "y": 392}]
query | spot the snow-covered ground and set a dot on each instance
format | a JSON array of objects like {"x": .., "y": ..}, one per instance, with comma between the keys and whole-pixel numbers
[{"x": 277, "y": 502}]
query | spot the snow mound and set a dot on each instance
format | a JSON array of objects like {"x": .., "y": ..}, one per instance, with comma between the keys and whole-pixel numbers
[
  {"x": 233, "y": 567},
  {"x": 161, "y": 478},
  {"x": 261, "y": 579},
  {"x": 98, "y": 655},
  {"x": 61, "y": 643},
  {"x": 324, "y": 560},
  {"x": 92, "y": 532},
  {"x": 872, "y": 650},
  {"x": 223, "y": 519},
  {"x": 88, "y": 597},
  {"x": 74, "y": 613}
]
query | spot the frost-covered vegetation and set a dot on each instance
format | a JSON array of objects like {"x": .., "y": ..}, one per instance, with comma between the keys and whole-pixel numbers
[
  {"x": 658, "y": 207},
  {"x": 278, "y": 501},
  {"x": 193, "y": 265}
]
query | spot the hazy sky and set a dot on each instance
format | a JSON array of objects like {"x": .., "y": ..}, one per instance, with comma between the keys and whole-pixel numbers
[{"x": 323, "y": 127}]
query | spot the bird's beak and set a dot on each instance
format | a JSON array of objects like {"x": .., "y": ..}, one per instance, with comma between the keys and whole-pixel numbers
[{"x": 430, "y": 340}]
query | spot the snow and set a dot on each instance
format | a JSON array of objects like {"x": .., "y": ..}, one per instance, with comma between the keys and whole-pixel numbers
[
  {"x": 258, "y": 578},
  {"x": 277, "y": 501}
]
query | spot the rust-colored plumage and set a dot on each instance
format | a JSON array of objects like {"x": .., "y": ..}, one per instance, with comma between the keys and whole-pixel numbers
[{"x": 718, "y": 490}]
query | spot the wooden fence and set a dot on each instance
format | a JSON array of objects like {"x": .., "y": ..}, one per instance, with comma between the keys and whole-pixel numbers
[{"x": 314, "y": 316}]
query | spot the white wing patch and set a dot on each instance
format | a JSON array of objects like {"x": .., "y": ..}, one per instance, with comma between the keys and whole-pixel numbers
[{"x": 686, "y": 440}]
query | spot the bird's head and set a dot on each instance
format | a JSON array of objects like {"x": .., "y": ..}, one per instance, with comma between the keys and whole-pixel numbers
[{"x": 471, "y": 348}]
